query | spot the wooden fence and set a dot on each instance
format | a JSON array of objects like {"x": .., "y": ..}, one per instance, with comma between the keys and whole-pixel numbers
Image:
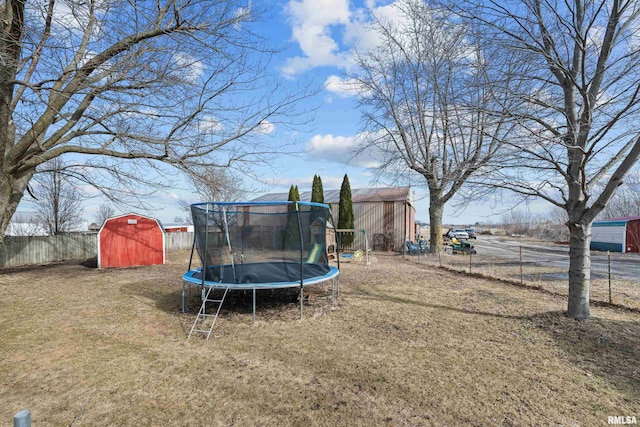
[
  {"x": 29, "y": 250},
  {"x": 178, "y": 241}
]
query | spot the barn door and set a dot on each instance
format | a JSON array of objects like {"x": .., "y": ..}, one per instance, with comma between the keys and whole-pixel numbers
[
  {"x": 633, "y": 236},
  {"x": 245, "y": 216},
  {"x": 389, "y": 225}
]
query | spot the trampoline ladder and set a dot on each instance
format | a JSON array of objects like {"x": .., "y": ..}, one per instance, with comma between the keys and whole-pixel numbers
[{"x": 200, "y": 324}]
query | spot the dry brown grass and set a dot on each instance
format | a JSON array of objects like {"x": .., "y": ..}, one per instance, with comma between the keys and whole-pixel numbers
[
  {"x": 624, "y": 291},
  {"x": 408, "y": 345}
]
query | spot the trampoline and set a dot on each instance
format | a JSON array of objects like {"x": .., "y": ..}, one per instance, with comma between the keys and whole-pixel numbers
[{"x": 254, "y": 246}]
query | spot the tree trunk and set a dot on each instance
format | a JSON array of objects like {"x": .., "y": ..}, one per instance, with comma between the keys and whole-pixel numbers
[
  {"x": 579, "y": 270},
  {"x": 436, "y": 208},
  {"x": 11, "y": 192}
]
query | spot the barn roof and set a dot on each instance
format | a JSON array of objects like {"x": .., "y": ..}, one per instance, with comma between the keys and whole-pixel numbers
[
  {"x": 131, "y": 214},
  {"x": 358, "y": 195},
  {"x": 620, "y": 219}
]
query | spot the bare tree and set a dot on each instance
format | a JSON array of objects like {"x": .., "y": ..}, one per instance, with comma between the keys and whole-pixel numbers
[
  {"x": 426, "y": 104},
  {"x": 558, "y": 219},
  {"x": 626, "y": 200},
  {"x": 123, "y": 85},
  {"x": 186, "y": 207},
  {"x": 213, "y": 184},
  {"x": 105, "y": 211},
  {"x": 58, "y": 204},
  {"x": 517, "y": 222},
  {"x": 25, "y": 224},
  {"x": 547, "y": 226},
  {"x": 577, "y": 110}
]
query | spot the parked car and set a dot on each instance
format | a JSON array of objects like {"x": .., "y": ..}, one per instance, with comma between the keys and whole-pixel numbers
[
  {"x": 458, "y": 233},
  {"x": 471, "y": 232}
]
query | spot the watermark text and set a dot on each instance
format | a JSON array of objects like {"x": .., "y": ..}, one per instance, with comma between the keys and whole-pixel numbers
[{"x": 622, "y": 420}]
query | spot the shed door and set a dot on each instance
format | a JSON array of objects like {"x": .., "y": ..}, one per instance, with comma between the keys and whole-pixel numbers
[
  {"x": 388, "y": 217},
  {"x": 633, "y": 236},
  {"x": 245, "y": 215}
]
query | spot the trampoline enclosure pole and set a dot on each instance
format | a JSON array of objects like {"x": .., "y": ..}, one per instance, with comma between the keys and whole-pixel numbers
[
  {"x": 301, "y": 259},
  {"x": 206, "y": 245},
  {"x": 226, "y": 233},
  {"x": 335, "y": 233},
  {"x": 193, "y": 246}
]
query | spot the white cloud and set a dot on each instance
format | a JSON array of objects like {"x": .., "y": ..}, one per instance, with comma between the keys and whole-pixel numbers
[
  {"x": 633, "y": 29},
  {"x": 244, "y": 13},
  {"x": 344, "y": 88},
  {"x": 70, "y": 18},
  {"x": 342, "y": 149},
  {"x": 189, "y": 68},
  {"x": 595, "y": 36},
  {"x": 333, "y": 182},
  {"x": 329, "y": 182},
  {"x": 327, "y": 31},
  {"x": 319, "y": 12},
  {"x": 73, "y": 16},
  {"x": 209, "y": 124},
  {"x": 266, "y": 127},
  {"x": 88, "y": 190},
  {"x": 359, "y": 32},
  {"x": 312, "y": 23},
  {"x": 303, "y": 183},
  {"x": 143, "y": 114}
]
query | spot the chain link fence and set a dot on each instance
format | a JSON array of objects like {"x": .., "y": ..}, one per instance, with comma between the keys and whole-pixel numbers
[{"x": 606, "y": 286}]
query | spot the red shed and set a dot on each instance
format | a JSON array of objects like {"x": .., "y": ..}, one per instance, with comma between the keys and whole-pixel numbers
[{"x": 131, "y": 239}]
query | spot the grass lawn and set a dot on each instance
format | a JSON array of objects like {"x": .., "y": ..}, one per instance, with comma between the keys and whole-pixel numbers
[
  {"x": 408, "y": 344},
  {"x": 625, "y": 292}
]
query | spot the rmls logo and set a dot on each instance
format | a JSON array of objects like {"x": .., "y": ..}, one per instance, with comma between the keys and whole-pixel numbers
[{"x": 622, "y": 420}]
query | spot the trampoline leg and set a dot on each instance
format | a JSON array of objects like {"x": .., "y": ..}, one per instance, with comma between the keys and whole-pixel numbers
[
  {"x": 183, "y": 297},
  {"x": 333, "y": 298},
  {"x": 254, "y": 306},
  {"x": 301, "y": 300}
]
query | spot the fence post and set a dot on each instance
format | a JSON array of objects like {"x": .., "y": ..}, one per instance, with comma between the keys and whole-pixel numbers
[
  {"x": 22, "y": 419},
  {"x": 470, "y": 255},
  {"x": 609, "y": 268}
]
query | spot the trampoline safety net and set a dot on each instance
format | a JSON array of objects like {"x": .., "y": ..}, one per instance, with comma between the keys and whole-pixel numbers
[{"x": 273, "y": 242}]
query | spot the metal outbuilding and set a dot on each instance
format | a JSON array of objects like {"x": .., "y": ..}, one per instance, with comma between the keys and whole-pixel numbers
[
  {"x": 616, "y": 234},
  {"x": 388, "y": 212},
  {"x": 130, "y": 240}
]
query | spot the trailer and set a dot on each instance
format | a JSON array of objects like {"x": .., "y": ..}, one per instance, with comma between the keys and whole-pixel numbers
[{"x": 616, "y": 234}]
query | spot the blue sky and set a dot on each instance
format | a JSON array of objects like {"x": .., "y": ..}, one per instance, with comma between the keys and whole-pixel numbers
[{"x": 316, "y": 38}]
